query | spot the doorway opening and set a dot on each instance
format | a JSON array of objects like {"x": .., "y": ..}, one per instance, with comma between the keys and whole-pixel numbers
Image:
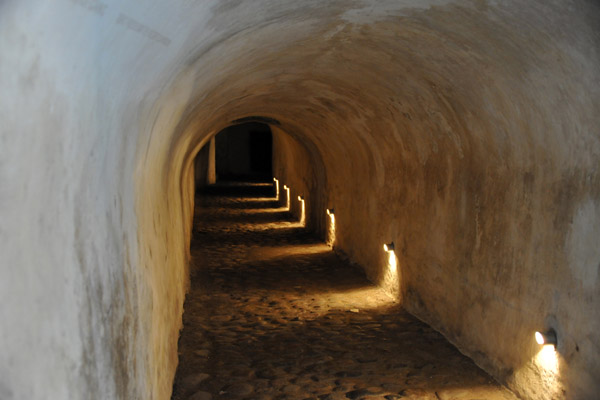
[{"x": 245, "y": 152}]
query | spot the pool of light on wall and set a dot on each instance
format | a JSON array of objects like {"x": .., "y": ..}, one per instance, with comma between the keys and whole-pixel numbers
[
  {"x": 287, "y": 197},
  {"x": 543, "y": 373},
  {"x": 331, "y": 228},
  {"x": 391, "y": 278},
  {"x": 548, "y": 358},
  {"x": 547, "y": 361},
  {"x": 276, "y": 184},
  {"x": 302, "y": 211}
]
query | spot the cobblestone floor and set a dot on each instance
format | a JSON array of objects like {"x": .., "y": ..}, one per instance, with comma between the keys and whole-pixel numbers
[{"x": 274, "y": 314}]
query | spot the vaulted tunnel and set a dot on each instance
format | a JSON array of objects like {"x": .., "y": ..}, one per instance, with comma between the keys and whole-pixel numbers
[{"x": 466, "y": 132}]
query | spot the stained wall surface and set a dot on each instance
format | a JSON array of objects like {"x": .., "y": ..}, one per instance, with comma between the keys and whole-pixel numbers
[
  {"x": 464, "y": 131},
  {"x": 300, "y": 167}
]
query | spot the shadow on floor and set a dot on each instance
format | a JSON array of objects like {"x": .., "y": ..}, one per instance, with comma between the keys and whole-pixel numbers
[
  {"x": 272, "y": 313},
  {"x": 240, "y": 190}
]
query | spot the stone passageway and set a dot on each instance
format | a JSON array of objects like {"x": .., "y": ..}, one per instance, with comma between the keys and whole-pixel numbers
[
  {"x": 273, "y": 313},
  {"x": 464, "y": 132}
]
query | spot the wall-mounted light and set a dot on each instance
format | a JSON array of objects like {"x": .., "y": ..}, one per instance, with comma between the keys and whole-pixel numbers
[
  {"x": 546, "y": 338},
  {"x": 276, "y": 182},
  {"x": 331, "y": 227},
  {"x": 302, "y": 211},
  {"x": 287, "y": 196},
  {"x": 391, "y": 278}
]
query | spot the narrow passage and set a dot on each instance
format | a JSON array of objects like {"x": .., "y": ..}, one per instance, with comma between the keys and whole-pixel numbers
[{"x": 273, "y": 313}]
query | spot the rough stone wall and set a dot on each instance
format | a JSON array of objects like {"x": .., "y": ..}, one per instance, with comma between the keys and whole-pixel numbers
[
  {"x": 464, "y": 131},
  {"x": 295, "y": 166},
  {"x": 201, "y": 166}
]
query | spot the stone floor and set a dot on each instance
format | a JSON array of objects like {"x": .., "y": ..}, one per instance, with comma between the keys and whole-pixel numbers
[{"x": 273, "y": 313}]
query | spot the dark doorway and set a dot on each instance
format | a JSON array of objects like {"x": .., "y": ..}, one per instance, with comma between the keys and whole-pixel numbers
[
  {"x": 244, "y": 152},
  {"x": 261, "y": 146}
]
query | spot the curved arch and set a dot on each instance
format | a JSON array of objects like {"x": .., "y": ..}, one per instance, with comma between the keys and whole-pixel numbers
[{"x": 464, "y": 132}]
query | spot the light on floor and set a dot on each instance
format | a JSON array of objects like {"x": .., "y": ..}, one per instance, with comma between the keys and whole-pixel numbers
[{"x": 389, "y": 246}]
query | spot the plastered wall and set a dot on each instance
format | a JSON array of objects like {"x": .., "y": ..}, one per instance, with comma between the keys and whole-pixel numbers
[
  {"x": 464, "y": 131},
  {"x": 301, "y": 169}
]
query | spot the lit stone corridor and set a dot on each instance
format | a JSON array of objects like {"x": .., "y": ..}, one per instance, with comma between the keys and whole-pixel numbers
[
  {"x": 274, "y": 313},
  {"x": 464, "y": 134}
]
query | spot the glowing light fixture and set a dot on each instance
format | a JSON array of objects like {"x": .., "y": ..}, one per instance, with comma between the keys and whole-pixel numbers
[
  {"x": 546, "y": 338},
  {"x": 391, "y": 279},
  {"x": 331, "y": 228},
  {"x": 302, "y": 211},
  {"x": 287, "y": 196},
  {"x": 276, "y": 181}
]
